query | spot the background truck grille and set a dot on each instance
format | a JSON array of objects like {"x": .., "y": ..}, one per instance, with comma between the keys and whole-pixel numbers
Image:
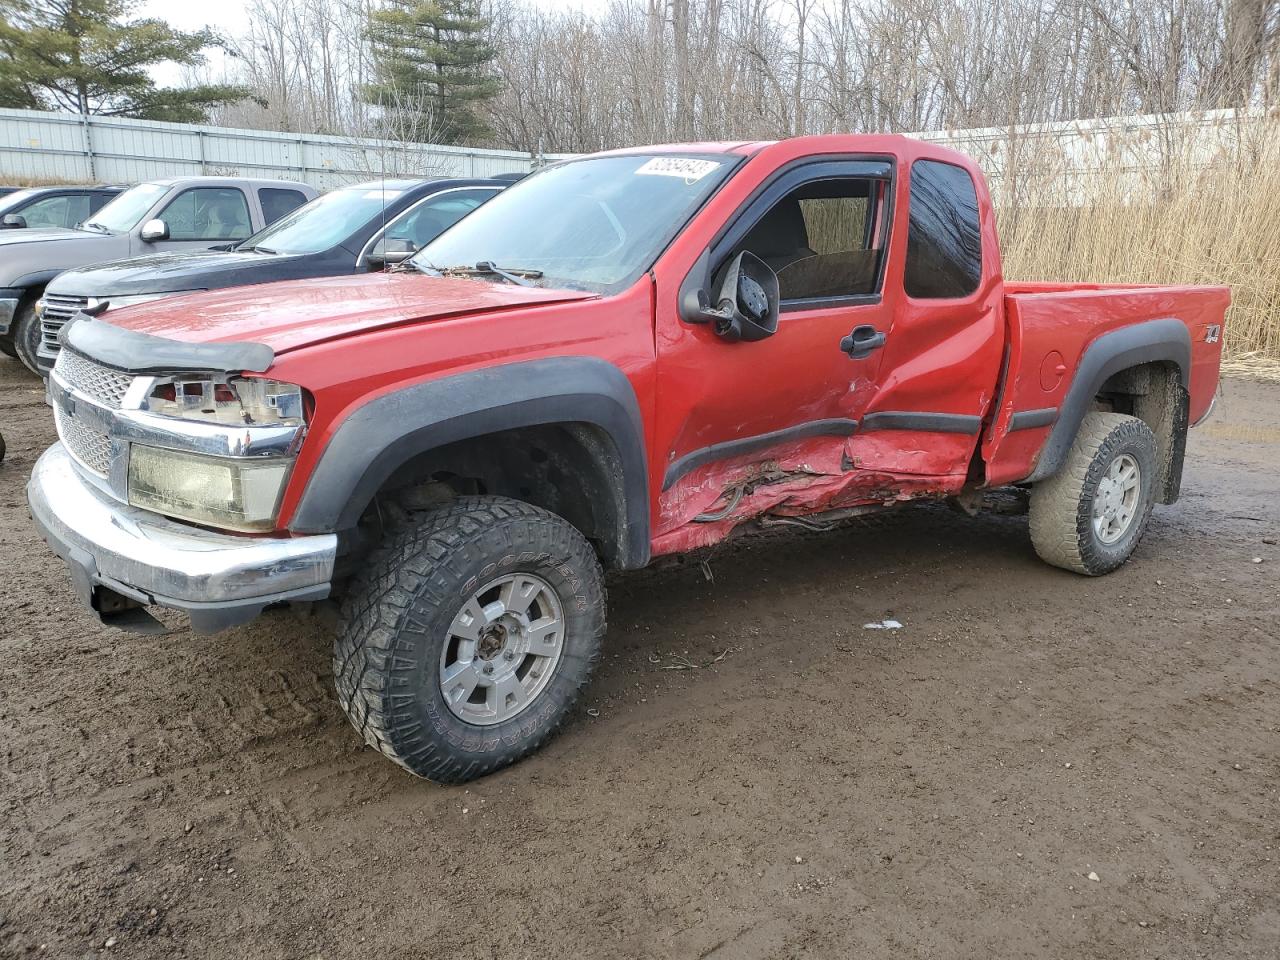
[
  {"x": 57, "y": 311},
  {"x": 91, "y": 447},
  {"x": 104, "y": 384}
]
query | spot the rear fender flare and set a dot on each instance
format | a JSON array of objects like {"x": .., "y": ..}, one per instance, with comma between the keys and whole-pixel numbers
[
  {"x": 390, "y": 430},
  {"x": 1153, "y": 341}
]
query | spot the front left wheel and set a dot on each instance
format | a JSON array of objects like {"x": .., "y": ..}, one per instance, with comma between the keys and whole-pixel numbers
[
  {"x": 26, "y": 336},
  {"x": 467, "y": 637}
]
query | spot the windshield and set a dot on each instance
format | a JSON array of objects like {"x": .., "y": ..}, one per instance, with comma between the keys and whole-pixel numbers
[
  {"x": 324, "y": 222},
  {"x": 14, "y": 200},
  {"x": 123, "y": 213},
  {"x": 593, "y": 224}
]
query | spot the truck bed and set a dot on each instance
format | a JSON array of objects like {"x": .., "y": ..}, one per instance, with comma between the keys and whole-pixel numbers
[{"x": 1051, "y": 326}]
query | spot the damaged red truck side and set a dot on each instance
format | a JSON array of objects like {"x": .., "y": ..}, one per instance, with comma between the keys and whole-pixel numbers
[{"x": 625, "y": 355}]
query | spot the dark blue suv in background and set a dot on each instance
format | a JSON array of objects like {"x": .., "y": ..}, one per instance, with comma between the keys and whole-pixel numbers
[{"x": 353, "y": 229}]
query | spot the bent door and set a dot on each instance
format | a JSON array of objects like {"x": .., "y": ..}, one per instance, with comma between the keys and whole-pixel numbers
[
  {"x": 943, "y": 354},
  {"x": 790, "y": 401}
]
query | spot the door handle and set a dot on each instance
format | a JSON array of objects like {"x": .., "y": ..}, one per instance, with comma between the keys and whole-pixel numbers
[{"x": 862, "y": 341}]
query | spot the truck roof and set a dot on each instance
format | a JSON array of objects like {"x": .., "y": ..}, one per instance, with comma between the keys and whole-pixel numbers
[
  {"x": 814, "y": 144},
  {"x": 228, "y": 181}
]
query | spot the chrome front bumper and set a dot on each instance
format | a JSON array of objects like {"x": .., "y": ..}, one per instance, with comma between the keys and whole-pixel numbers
[{"x": 219, "y": 579}]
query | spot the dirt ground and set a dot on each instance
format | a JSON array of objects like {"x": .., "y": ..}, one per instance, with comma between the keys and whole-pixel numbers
[{"x": 1035, "y": 765}]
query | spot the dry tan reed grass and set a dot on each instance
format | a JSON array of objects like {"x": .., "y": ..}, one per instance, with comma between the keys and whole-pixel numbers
[
  {"x": 1203, "y": 209},
  {"x": 1253, "y": 365},
  {"x": 10, "y": 181}
]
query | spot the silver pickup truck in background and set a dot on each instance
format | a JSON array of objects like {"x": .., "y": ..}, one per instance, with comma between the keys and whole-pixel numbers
[{"x": 175, "y": 213}]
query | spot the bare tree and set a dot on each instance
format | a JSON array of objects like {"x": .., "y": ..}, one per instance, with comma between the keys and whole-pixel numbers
[{"x": 647, "y": 71}]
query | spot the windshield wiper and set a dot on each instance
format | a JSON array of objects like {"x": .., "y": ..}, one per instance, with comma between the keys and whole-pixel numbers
[
  {"x": 404, "y": 266},
  {"x": 520, "y": 276},
  {"x": 95, "y": 227},
  {"x": 260, "y": 249}
]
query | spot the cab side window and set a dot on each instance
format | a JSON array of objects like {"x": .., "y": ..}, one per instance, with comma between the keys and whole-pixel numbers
[
  {"x": 822, "y": 240},
  {"x": 60, "y": 211},
  {"x": 944, "y": 238},
  {"x": 424, "y": 222},
  {"x": 208, "y": 213}
]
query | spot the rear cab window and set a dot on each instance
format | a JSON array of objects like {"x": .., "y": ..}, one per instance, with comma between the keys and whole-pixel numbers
[
  {"x": 944, "y": 237},
  {"x": 277, "y": 201}
]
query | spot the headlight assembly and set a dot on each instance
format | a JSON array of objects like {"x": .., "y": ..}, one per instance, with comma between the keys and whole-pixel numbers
[
  {"x": 228, "y": 466},
  {"x": 226, "y": 492}
]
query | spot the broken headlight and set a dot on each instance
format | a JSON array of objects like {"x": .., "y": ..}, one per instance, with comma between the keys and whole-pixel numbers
[
  {"x": 230, "y": 401},
  {"x": 231, "y": 471}
]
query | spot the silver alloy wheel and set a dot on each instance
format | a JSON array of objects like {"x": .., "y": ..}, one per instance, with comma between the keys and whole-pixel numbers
[
  {"x": 1115, "y": 502},
  {"x": 502, "y": 649}
]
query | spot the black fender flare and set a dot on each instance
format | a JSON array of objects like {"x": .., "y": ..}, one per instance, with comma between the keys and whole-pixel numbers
[
  {"x": 390, "y": 430},
  {"x": 39, "y": 279},
  {"x": 1165, "y": 340}
]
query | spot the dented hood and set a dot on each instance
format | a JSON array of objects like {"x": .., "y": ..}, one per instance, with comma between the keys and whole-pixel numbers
[{"x": 297, "y": 313}]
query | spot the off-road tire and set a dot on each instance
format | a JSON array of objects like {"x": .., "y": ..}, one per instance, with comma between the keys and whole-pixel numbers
[
  {"x": 396, "y": 619},
  {"x": 1062, "y": 506},
  {"x": 26, "y": 335},
  {"x": 7, "y": 347}
]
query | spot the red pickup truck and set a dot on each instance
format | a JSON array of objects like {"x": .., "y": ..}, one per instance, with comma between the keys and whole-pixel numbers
[{"x": 626, "y": 355}]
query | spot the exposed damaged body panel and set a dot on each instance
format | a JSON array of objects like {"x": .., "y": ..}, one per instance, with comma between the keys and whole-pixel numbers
[{"x": 810, "y": 477}]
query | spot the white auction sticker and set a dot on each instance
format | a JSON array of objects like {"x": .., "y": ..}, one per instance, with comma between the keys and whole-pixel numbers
[{"x": 686, "y": 168}]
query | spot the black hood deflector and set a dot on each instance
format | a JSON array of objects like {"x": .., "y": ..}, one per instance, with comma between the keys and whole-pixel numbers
[{"x": 143, "y": 353}]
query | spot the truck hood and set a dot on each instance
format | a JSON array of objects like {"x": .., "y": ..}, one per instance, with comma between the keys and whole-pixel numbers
[
  {"x": 44, "y": 234},
  {"x": 298, "y": 313},
  {"x": 174, "y": 272},
  {"x": 38, "y": 254}
]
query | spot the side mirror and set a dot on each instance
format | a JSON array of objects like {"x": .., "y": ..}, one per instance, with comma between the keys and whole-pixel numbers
[
  {"x": 389, "y": 251},
  {"x": 746, "y": 300},
  {"x": 15, "y": 221},
  {"x": 154, "y": 230}
]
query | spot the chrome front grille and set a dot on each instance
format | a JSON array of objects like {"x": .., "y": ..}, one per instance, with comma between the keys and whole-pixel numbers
[
  {"x": 88, "y": 445},
  {"x": 104, "y": 384},
  {"x": 57, "y": 311}
]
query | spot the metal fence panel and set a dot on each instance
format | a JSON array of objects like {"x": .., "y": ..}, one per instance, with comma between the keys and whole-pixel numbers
[{"x": 61, "y": 146}]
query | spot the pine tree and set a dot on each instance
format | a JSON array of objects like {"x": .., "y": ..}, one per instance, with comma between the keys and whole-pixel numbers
[
  {"x": 87, "y": 56},
  {"x": 432, "y": 69}
]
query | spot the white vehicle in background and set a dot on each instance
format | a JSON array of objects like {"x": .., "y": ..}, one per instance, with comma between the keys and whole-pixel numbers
[{"x": 172, "y": 214}]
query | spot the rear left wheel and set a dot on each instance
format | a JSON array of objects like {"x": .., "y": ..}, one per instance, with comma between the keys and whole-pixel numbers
[
  {"x": 1090, "y": 515},
  {"x": 467, "y": 637}
]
